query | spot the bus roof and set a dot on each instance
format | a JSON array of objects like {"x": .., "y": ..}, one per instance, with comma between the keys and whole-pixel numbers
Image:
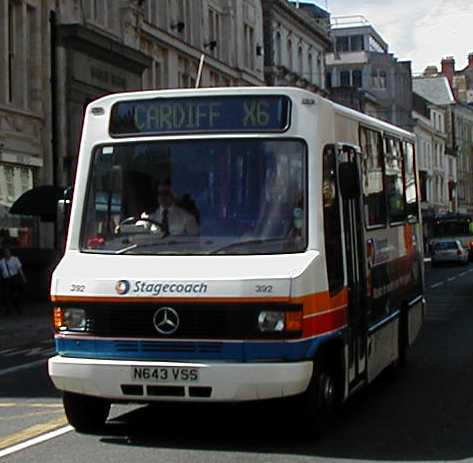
[{"x": 109, "y": 100}]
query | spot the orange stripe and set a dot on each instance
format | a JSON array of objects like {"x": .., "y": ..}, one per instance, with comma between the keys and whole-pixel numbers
[
  {"x": 325, "y": 323},
  {"x": 321, "y": 302}
]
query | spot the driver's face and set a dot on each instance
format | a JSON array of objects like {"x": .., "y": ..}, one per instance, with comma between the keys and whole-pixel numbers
[{"x": 165, "y": 197}]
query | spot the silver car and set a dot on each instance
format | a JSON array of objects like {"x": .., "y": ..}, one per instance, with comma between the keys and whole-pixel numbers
[{"x": 449, "y": 251}]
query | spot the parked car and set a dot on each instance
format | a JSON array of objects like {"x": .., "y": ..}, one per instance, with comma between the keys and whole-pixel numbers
[{"x": 449, "y": 251}]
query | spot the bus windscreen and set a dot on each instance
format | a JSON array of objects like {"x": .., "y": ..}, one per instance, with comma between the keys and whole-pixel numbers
[{"x": 164, "y": 116}]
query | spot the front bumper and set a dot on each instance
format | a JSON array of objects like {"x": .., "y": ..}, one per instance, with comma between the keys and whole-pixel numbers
[{"x": 227, "y": 382}]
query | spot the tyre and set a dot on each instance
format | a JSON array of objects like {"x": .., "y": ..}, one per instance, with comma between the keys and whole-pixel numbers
[
  {"x": 323, "y": 396},
  {"x": 86, "y": 414}
]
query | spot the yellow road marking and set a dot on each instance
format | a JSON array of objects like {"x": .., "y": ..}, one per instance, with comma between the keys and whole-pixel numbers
[
  {"x": 26, "y": 415},
  {"x": 32, "y": 431},
  {"x": 34, "y": 405}
]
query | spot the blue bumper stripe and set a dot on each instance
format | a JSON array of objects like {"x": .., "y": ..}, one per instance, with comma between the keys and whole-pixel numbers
[{"x": 190, "y": 350}]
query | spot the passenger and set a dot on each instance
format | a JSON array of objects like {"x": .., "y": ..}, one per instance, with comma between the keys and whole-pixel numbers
[{"x": 173, "y": 219}]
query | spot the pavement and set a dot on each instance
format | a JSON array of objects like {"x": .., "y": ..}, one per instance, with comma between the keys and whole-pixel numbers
[{"x": 32, "y": 326}]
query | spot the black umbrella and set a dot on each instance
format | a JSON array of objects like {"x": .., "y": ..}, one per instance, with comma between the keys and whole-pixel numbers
[{"x": 39, "y": 201}]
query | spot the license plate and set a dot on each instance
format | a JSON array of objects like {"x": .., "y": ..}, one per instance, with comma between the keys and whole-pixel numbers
[{"x": 165, "y": 374}]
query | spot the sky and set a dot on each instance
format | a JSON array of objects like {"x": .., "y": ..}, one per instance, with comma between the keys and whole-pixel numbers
[{"x": 422, "y": 31}]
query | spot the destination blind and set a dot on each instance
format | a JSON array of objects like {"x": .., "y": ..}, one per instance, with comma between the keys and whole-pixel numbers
[{"x": 162, "y": 116}]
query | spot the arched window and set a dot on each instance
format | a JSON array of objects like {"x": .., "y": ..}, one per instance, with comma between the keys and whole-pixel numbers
[
  {"x": 300, "y": 61},
  {"x": 310, "y": 73},
  {"x": 277, "y": 47},
  {"x": 289, "y": 54}
]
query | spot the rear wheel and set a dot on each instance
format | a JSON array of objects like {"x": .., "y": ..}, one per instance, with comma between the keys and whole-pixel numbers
[{"x": 85, "y": 413}]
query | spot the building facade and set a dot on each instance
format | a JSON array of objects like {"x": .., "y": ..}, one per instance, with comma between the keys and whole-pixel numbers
[
  {"x": 460, "y": 80},
  {"x": 437, "y": 169},
  {"x": 296, "y": 39},
  {"x": 459, "y": 86},
  {"x": 361, "y": 69},
  {"x": 25, "y": 148},
  {"x": 462, "y": 116},
  {"x": 175, "y": 34}
]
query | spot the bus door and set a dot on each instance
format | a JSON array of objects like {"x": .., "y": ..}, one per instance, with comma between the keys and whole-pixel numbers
[{"x": 350, "y": 187}]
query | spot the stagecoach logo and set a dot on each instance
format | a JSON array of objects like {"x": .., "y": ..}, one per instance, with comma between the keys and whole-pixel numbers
[
  {"x": 122, "y": 287},
  {"x": 166, "y": 320}
]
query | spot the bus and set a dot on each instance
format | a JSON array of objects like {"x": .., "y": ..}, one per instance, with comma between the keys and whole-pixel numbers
[{"x": 289, "y": 262}]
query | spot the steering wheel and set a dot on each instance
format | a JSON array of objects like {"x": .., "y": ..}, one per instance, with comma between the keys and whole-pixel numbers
[{"x": 158, "y": 227}]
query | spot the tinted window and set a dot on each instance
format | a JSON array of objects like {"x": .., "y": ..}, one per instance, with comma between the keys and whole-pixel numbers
[
  {"x": 197, "y": 197},
  {"x": 372, "y": 178},
  {"x": 394, "y": 180},
  {"x": 410, "y": 180},
  {"x": 332, "y": 223}
]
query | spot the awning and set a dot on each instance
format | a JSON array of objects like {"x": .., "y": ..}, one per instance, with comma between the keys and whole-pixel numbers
[{"x": 40, "y": 201}]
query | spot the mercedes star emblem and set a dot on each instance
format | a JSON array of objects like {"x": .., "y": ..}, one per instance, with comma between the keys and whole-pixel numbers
[{"x": 166, "y": 320}]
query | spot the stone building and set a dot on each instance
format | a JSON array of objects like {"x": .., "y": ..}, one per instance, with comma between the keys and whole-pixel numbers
[
  {"x": 25, "y": 147},
  {"x": 175, "y": 34},
  {"x": 296, "y": 39},
  {"x": 460, "y": 120},
  {"x": 361, "y": 65},
  {"x": 437, "y": 168}
]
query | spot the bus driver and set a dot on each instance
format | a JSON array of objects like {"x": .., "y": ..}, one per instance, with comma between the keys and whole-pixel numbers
[{"x": 173, "y": 219}]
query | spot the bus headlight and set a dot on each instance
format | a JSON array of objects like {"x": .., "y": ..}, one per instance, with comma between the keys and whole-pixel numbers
[
  {"x": 271, "y": 320},
  {"x": 278, "y": 321},
  {"x": 70, "y": 319}
]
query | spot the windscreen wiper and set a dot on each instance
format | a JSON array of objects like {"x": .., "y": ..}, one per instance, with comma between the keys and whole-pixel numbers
[
  {"x": 250, "y": 242},
  {"x": 160, "y": 243}
]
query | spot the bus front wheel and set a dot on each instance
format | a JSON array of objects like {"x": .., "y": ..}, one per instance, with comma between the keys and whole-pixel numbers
[
  {"x": 322, "y": 397},
  {"x": 85, "y": 413}
]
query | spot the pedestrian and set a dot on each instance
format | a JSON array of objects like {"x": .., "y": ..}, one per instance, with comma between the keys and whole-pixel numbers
[{"x": 13, "y": 280}]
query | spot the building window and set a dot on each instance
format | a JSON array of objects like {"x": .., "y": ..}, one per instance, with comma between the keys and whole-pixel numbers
[
  {"x": 342, "y": 44},
  {"x": 356, "y": 43},
  {"x": 14, "y": 55},
  {"x": 289, "y": 54},
  {"x": 277, "y": 48},
  {"x": 101, "y": 12},
  {"x": 10, "y": 182},
  {"x": 378, "y": 79},
  {"x": 300, "y": 61},
  {"x": 344, "y": 78},
  {"x": 215, "y": 33},
  {"x": 375, "y": 46},
  {"x": 357, "y": 79},
  {"x": 185, "y": 77},
  {"x": 310, "y": 65},
  {"x": 249, "y": 46},
  {"x": 328, "y": 80}
]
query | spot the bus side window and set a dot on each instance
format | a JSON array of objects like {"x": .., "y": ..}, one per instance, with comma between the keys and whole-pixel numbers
[
  {"x": 373, "y": 172},
  {"x": 410, "y": 181},
  {"x": 332, "y": 222},
  {"x": 394, "y": 181}
]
